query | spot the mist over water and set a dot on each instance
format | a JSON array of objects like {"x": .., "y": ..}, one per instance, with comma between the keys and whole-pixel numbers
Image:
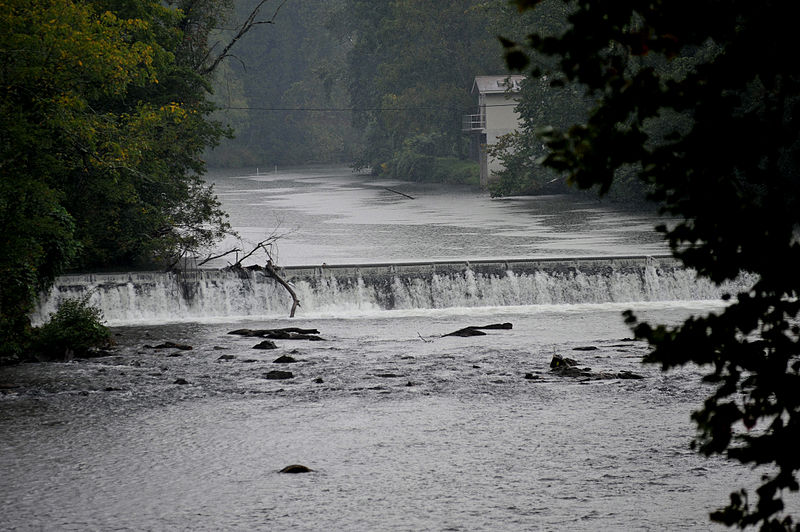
[{"x": 405, "y": 429}]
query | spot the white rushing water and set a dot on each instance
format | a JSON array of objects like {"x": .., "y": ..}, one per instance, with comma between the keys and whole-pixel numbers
[
  {"x": 352, "y": 291},
  {"x": 406, "y": 429}
]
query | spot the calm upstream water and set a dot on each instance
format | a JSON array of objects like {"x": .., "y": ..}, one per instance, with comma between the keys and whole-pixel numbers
[
  {"x": 337, "y": 217},
  {"x": 405, "y": 429}
]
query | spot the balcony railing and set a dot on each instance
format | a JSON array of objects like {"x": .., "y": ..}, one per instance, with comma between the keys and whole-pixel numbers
[{"x": 473, "y": 122}]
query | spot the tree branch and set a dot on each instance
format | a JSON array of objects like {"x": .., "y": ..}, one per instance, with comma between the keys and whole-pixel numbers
[
  {"x": 295, "y": 302},
  {"x": 248, "y": 24},
  {"x": 210, "y": 257}
]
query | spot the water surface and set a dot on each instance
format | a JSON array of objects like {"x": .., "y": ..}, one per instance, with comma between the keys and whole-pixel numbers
[
  {"x": 405, "y": 429},
  {"x": 333, "y": 216}
]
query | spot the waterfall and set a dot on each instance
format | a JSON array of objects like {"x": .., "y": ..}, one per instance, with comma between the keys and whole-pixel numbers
[{"x": 331, "y": 290}]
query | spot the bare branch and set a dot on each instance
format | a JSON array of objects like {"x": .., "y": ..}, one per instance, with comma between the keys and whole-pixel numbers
[
  {"x": 398, "y": 192},
  {"x": 248, "y": 24},
  {"x": 295, "y": 302},
  {"x": 210, "y": 257},
  {"x": 267, "y": 246},
  {"x": 261, "y": 245}
]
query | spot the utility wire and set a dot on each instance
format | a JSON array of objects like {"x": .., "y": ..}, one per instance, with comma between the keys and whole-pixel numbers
[{"x": 352, "y": 109}]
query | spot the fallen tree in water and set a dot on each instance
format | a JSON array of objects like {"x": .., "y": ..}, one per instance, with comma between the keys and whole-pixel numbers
[
  {"x": 295, "y": 301},
  {"x": 266, "y": 246}
]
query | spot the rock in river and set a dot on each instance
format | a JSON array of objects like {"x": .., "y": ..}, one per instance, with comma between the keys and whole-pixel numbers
[
  {"x": 266, "y": 344},
  {"x": 566, "y": 367},
  {"x": 560, "y": 362},
  {"x": 475, "y": 330},
  {"x": 278, "y": 375},
  {"x": 170, "y": 345},
  {"x": 296, "y": 468}
]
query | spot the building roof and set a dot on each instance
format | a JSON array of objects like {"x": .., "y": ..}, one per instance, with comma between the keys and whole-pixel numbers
[{"x": 496, "y": 84}]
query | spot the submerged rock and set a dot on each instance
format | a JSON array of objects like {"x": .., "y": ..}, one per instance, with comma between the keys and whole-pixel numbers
[
  {"x": 244, "y": 332},
  {"x": 566, "y": 367},
  {"x": 170, "y": 345},
  {"x": 629, "y": 375},
  {"x": 286, "y": 333},
  {"x": 505, "y": 326},
  {"x": 574, "y": 371},
  {"x": 278, "y": 375},
  {"x": 289, "y": 335},
  {"x": 181, "y": 381},
  {"x": 466, "y": 331},
  {"x": 226, "y": 357},
  {"x": 296, "y": 468},
  {"x": 284, "y": 359},
  {"x": 475, "y": 330}
]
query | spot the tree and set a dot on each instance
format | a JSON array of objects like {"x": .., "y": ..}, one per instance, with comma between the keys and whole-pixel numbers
[
  {"x": 521, "y": 151},
  {"x": 410, "y": 71},
  {"x": 285, "y": 93},
  {"x": 702, "y": 100},
  {"x": 103, "y": 118}
]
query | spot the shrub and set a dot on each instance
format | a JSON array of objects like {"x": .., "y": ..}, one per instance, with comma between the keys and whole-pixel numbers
[
  {"x": 420, "y": 159},
  {"x": 75, "y": 329}
]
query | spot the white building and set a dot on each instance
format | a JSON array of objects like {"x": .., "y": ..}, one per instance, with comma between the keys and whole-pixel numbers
[{"x": 497, "y": 100}]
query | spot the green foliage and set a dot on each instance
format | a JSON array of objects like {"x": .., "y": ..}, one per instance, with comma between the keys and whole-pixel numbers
[
  {"x": 74, "y": 330},
  {"x": 285, "y": 93},
  {"x": 410, "y": 71},
  {"x": 522, "y": 172},
  {"x": 103, "y": 118},
  {"x": 700, "y": 102},
  {"x": 541, "y": 107},
  {"x": 351, "y": 81},
  {"x": 417, "y": 161}
]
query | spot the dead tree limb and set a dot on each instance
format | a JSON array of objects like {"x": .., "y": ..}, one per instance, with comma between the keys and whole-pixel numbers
[
  {"x": 223, "y": 254},
  {"x": 265, "y": 245},
  {"x": 243, "y": 29},
  {"x": 295, "y": 302},
  {"x": 251, "y": 252},
  {"x": 398, "y": 192}
]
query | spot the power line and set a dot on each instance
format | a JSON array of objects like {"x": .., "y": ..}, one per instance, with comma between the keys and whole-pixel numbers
[{"x": 353, "y": 109}]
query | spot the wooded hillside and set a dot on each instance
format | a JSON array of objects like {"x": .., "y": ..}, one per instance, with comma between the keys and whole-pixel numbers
[{"x": 380, "y": 85}]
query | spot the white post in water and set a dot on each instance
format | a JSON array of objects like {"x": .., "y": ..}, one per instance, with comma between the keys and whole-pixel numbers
[
  {"x": 256, "y": 170},
  {"x": 276, "y": 168}
]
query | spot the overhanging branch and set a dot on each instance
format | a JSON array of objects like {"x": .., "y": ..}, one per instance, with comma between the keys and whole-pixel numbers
[{"x": 248, "y": 24}]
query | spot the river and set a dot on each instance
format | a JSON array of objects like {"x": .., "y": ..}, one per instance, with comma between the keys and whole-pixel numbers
[{"x": 405, "y": 429}]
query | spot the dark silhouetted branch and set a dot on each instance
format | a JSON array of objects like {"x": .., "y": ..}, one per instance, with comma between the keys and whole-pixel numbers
[
  {"x": 295, "y": 302},
  {"x": 248, "y": 24},
  {"x": 398, "y": 192}
]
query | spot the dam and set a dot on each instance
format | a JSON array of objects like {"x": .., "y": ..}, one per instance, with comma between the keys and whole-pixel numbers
[{"x": 333, "y": 290}]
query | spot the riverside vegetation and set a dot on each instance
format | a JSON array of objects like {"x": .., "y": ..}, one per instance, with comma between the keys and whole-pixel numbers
[
  {"x": 702, "y": 110},
  {"x": 379, "y": 85},
  {"x": 104, "y": 116}
]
